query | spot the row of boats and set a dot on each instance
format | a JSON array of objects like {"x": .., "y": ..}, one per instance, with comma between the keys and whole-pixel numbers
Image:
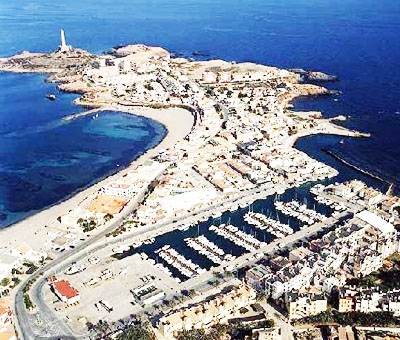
[
  {"x": 215, "y": 214},
  {"x": 263, "y": 222},
  {"x": 210, "y": 250},
  {"x": 317, "y": 190},
  {"x": 185, "y": 266},
  {"x": 300, "y": 211},
  {"x": 335, "y": 205},
  {"x": 233, "y": 234}
]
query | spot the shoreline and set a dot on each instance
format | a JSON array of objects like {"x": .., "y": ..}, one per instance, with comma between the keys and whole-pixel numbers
[
  {"x": 76, "y": 197},
  {"x": 181, "y": 85},
  {"x": 31, "y": 226},
  {"x": 48, "y": 215}
]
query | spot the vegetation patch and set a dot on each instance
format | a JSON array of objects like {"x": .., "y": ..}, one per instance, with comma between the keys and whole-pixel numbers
[{"x": 384, "y": 319}]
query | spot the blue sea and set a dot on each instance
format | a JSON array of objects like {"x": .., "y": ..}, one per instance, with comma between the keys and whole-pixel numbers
[{"x": 43, "y": 159}]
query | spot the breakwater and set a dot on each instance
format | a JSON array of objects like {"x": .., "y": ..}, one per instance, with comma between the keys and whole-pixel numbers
[{"x": 354, "y": 167}]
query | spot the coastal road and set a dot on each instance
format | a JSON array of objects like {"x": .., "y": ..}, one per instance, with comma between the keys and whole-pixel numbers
[
  {"x": 26, "y": 329},
  {"x": 24, "y": 324},
  {"x": 23, "y": 318}
]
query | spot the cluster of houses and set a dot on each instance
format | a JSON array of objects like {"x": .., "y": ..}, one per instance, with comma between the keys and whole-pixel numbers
[
  {"x": 110, "y": 200},
  {"x": 240, "y": 138},
  {"x": 230, "y": 167},
  {"x": 369, "y": 299},
  {"x": 14, "y": 258},
  {"x": 356, "y": 191},
  {"x": 355, "y": 249},
  {"x": 215, "y": 310}
]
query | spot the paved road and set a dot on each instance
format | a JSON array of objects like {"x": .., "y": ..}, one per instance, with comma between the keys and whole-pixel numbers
[
  {"x": 269, "y": 248},
  {"x": 279, "y": 319},
  {"x": 23, "y": 324},
  {"x": 26, "y": 329}
]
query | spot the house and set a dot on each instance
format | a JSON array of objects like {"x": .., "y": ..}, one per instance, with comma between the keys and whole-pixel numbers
[
  {"x": 147, "y": 293},
  {"x": 26, "y": 253},
  {"x": 209, "y": 77},
  {"x": 7, "y": 264},
  {"x": 346, "y": 333},
  {"x": 300, "y": 305},
  {"x": 64, "y": 291},
  {"x": 279, "y": 262},
  {"x": 374, "y": 220},
  {"x": 299, "y": 254},
  {"x": 256, "y": 275},
  {"x": 347, "y": 299},
  {"x": 267, "y": 334}
]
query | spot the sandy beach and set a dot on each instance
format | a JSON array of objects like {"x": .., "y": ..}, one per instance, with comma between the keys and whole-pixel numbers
[{"x": 31, "y": 230}]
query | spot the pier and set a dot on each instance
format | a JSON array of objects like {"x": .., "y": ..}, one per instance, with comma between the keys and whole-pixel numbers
[
  {"x": 207, "y": 248},
  {"x": 185, "y": 266},
  {"x": 272, "y": 226},
  {"x": 233, "y": 234},
  {"x": 354, "y": 167}
]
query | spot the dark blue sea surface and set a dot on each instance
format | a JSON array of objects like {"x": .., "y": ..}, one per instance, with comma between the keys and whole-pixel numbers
[{"x": 356, "y": 40}]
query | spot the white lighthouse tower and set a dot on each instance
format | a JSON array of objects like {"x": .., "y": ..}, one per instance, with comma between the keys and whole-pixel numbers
[{"x": 64, "y": 47}]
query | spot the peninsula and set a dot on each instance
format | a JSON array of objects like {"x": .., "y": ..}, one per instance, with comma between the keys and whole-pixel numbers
[{"x": 230, "y": 142}]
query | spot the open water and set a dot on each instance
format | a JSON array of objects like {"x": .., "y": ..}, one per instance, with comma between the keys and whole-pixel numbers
[{"x": 43, "y": 160}]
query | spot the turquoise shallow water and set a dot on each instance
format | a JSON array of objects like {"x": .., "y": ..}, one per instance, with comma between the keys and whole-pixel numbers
[
  {"x": 356, "y": 40},
  {"x": 45, "y": 158}
]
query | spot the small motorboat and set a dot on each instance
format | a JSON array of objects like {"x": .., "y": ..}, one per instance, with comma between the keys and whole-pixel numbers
[{"x": 51, "y": 96}]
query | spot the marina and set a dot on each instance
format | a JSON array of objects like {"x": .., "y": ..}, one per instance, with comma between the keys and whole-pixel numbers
[
  {"x": 300, "y": 211},
  {"x": 265, "y": 223},
  {"x": 190, "y": 236},
  {"x": 207, "y": 248},
  {"x": 185, "y": 266},
  {"x": 233, "y": 234}
]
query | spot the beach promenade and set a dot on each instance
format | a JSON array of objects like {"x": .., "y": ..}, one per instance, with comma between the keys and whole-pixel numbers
[{"x": 34, "y": 228}]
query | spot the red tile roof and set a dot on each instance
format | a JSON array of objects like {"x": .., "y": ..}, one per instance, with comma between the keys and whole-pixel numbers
[{"x": 65, "y": 289}]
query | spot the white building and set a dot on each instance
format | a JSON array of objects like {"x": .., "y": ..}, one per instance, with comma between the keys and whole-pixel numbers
[{"x": 119, "y": 189}]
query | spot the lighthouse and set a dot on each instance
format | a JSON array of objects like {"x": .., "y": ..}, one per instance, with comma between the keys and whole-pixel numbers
[{"x": 64, "y": 47}]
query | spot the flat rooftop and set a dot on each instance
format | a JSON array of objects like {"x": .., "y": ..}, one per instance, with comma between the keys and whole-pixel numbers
[{"x": 107, "y": 204}]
